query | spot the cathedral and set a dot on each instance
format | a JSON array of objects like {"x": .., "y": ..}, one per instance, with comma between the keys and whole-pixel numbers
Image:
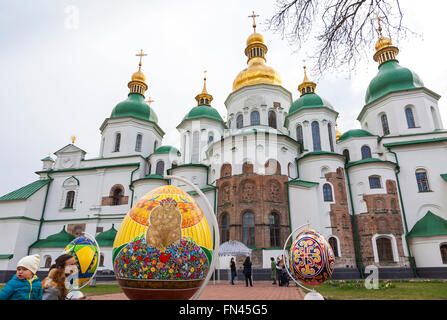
[{"x": 378, "y": 194}]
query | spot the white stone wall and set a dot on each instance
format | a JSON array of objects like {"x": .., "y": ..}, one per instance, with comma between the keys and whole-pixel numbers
[
  {"x": 426, "y": 251},
  {"x": 355, "y": 144}
]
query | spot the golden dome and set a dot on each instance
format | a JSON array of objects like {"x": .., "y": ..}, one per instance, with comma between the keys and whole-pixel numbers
[
  {"x": 385, "y": 50},
  {"x": 383, "y": 43},
  {"x": 255, "y": 38},
  {"x": 139, "y": 76},
  {"x": 337, "y": 132}
]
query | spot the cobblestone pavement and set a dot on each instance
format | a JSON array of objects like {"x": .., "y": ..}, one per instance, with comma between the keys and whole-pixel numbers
[{"x": 261, "y": 290}]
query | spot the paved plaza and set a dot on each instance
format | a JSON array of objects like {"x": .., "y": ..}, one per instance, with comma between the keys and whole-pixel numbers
[{"x": 222, "y": 290}]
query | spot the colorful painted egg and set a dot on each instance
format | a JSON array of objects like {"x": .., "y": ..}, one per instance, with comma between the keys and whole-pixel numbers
[
  {"x": 163, "y": 247},
  {"x": 311, "y": 258},
  {"x": 85, "y": 252}
]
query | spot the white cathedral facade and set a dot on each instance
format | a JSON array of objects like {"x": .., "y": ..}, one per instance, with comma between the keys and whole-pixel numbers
[{"x": 377, "y": 193}]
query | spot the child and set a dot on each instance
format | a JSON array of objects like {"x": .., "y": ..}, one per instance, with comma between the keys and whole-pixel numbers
[{"x": 25, "y": 285}]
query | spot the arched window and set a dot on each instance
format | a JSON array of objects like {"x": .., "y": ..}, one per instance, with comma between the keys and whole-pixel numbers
[
  {"x": 422, "y": 180},
  {"x": 331, "y": 141},
  {"x": 101, "y": 260},
  {"x": 334, "y": 245},
  {"x": 117, "y": 142},
  {"x": 248, "y": 229},
  {"x": 410, "y": 117},
  {"x": 385, "y": 126},
  {"x": 384, "y": 250},
  {"x": 69, "y": 201},
  {"x": 47, "y": 262},
  {"x": 272, "y": 119},
  {"x": 117, "y": 196},
  {"x": 443, "y": 249},
  {"x": 299, "y": 135},
  {"x": 374, "y": 182},
  {"x": 316, "y": 136},
  {"x": 160, "y": 168},
  {"x": 239, "y": 121},
  {"x": 346, "y": 154},
  {"x": 225, "y": 227},
  {"x": 366, "y": 152},
  {"x": 138, "y": 143},
  {"x": 274, "y": 230},
  {"x": 327, "y": 192},
  {"x": 254, "y": 118},
  {"x": 195, "y": 147},
  {"x": 210, "y": 137}
]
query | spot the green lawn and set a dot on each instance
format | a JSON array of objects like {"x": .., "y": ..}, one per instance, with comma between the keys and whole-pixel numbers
[{"x": 391, "y": 290}]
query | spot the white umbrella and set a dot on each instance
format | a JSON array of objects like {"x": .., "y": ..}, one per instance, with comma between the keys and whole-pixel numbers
[{"x": 233, "y": 248}]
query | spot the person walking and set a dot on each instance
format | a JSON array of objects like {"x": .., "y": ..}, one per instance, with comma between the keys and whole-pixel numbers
[
  {"x": 24, "y": 285},
  {"x": 278, "y": 271},
  {"x": 247, "y": 272},
  {"x": 54, "y": 284},
  {"x": 233, "y": 270},
  {"x": 273, "y": 270}
]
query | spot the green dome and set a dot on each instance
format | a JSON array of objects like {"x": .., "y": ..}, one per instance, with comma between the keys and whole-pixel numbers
[
  {"x": 354, "y": 133},
  {"x": 203, "y": 111},
  {"x": 167, "y": 149},
  {"x": 134, "y": 106},
  {"x": 107, "y": 238},
  {"x": 391, "y": 78},
  {"x": 308, "y": 101}
]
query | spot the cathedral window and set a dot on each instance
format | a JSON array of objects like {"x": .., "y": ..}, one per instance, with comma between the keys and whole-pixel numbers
[
  {"x": 331, "y": 141},
  {"x": 239, "y": 121},
  {"x": 422, "y": 180},
  {"x": 334, "y": 245},
  {"x": 299, "y": 136},
  {"x": 316, "y": 136},
  {"x": 275, "y": 240},
  {"x": 443, "y": 249},
  {"x": 101, "y": 260},
  {"x": 327, "y": 192},
  {"x": 225, "y": 228},
  {"x": 374, "y": 182},
  {"x": 117, "y": 197},
  {"x": 160, "y": 168},
  {"x": 69, "y": 200},
  {"x": 366, "y": 152},
  {"x": 248, "y": 229},
  {"x": 346, "y": 154},
  {"x": 138, "y": 143},
  {"x": 272, "y": 119},
  {"x": 384, "y": 250},
  {"x": 47, "y": 262},
  {"x": 254, "y": 118},
  {"x": 117, "y": 142},
  {"x": 385, "y": 126},
  {"x": 410, "y": 117}
]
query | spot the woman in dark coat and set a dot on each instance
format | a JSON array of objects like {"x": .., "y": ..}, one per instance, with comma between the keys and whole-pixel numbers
[
  {"x": 247, "y": 272},
  {"x": 233, "y": 270}
]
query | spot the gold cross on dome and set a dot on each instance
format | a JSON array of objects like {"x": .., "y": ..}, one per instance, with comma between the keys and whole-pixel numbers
[
  {"x": 150, "y": 101},
  {"x": 379, "y": 19},
  {"x": 73, "y": 139},
  {"x": 141, "y": 55},
  {"x": 254, "y": 21}
]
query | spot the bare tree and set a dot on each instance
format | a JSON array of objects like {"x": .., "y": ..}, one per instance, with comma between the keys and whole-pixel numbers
[{"x": 343, "y": 30}]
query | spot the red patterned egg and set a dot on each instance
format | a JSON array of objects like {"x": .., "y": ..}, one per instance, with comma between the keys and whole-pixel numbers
[{"x": 311, "y": 258}]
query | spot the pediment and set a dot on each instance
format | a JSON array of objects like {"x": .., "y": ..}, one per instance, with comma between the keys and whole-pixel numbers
[{"x": 69, "y": 148}]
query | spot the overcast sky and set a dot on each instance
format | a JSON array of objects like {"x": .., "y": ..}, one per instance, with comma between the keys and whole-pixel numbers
[{"x": 64, "y": 65}]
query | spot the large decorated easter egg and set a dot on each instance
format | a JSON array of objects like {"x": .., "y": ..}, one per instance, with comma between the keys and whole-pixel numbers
[
  {"x": 163, "y": 247},
  {"x": 311, "y": 258},
  {"x": 85, "y": 252}
]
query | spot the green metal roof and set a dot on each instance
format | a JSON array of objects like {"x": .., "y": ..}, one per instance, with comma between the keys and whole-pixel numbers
[
  {"x": 26, "y": 191},
  {"x": 406, "y": 143},
  {"x": 47, "y": 159},
  {"x": 167, "y": 149},
  {"x": 430, "y": 225},
  {"x": 134, "y": 106},
  {"x": 391, "y": 78},
  {"x": 444, "y": 176},
  {"x": 309, "y": 101},
  {"x": 6, "y": 256},
  {"x": 302, "y": 183},
  {"x": 203, "y": 111},
  {"x": 354, "y": 133},
  {"x": 107, "y": 238},
  {"x": 368, "y": 160},
  {"x": 58, "y": 240},
  {"x": 92, "y": 168}
]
